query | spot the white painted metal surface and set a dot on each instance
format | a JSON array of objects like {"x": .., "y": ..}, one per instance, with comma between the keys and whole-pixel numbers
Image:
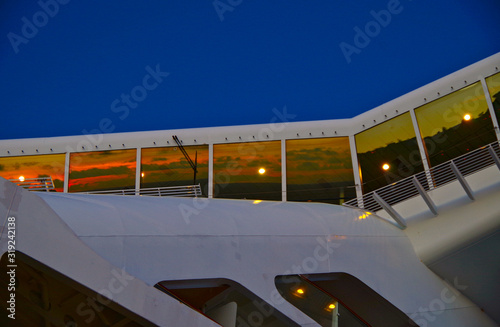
[{"x": 153, "y": 240}]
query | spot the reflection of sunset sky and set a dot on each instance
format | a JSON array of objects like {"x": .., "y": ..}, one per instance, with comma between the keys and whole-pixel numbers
[
  {"x": 394, "y": 130},
  {"x": 169, "y": 164},
  {"x": 102, "y": 170},
  {"x": 449, "y": 110},
  {"x": 312, "y": 160},
  {"x": 242, "y": 161},
  {"x": 34, "y": 166}
]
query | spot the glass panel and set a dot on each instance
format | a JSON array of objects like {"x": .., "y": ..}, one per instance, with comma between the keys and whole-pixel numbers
[
  {"x": 493, "y": 83},
  {"x": 167, "y": 166},
  {"x": 319, "y": 170},
  {"x": 455, "y": 124},
  {"x": 51, "y": 165},
  {"x": 388, "y": 152},
  {"x": 248, "y": 170},
  {"x": 102, "y": 170}
]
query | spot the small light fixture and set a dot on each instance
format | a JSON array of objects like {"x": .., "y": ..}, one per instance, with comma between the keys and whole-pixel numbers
[
  {"x": 257, "y": 201},
  {"x": 467, "y": 117},
  {"x": 386, "y": 166},
  {"x": 300, "y": 291},
  {"x": 331, "y": 306},
  {"x": 21, "y": 178},
  {"x": 262, "y": 171},
  {"x": 142, "y": 174}
]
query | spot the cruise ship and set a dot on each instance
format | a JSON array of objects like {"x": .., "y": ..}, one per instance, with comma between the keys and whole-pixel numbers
[{"x": 389, "y": 218}]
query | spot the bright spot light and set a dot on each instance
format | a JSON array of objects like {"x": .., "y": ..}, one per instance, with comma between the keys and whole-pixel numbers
[
  {"x": 142, "y": 174},
  {"x": 386, "y": 166},
  {"x": 300, "y": 291},
  {"x": 257, "y": 201},
  {"x": 331, "y": 306},
  {"x": 21, "y": 178},
  {"x": 467, "y": 117},
  {"x": 262, "y": 171}
]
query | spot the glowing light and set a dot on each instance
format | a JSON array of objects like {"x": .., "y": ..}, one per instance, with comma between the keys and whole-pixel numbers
[
  {"x": 331, "y": 306},
  {"x": 262, "y": 171},
  {"x": 142, "y": 174},
  {"x": 300, "y": 291},
  {"x": 257, "y": 201},
  {"x": 365, "y": 215},
  {"x": 21, "y": 178},
  {"x": 467, "y": 117},
  {"x": 386, "y": 166}
]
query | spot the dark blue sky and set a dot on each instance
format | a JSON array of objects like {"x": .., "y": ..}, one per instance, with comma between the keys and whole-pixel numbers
[{"x": 230, "y": 62}]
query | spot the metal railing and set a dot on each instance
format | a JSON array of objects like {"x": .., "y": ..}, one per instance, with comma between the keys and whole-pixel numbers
[
  {"x": 35, "y": 184},
  {"x": 435, "y": 177},
  {"x": 183, "y": 191}
]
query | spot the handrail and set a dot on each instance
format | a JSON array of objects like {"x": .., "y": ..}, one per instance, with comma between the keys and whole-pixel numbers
[
  {"x": 35, "y": 184},
  {"x": 435, "y": 177},
  {"x": 185, "y": 191}
]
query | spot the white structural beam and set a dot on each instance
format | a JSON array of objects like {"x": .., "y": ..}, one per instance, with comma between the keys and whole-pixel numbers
[
  {"x": 138, "y": 171},
  {"x": 390, "y": 210},
  {"x": 66, "y": 173},
  {"x": 462, "y": 180},
  {"x": 356, "y": 170},
  {"x": 210, "y": 170},
  {"x": 283, "y": 170},
  {"x": 425, "y": 196}
]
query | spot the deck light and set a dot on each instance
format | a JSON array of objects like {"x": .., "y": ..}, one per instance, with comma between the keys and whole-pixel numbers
[
  {"x": 142, "y": 174},
  {"x": 21, "y": 178},
  {"x": 262, "y": 171},
  {"x": 331, "y": 306},
  {"x": 300, "y": 291},
  {"x": 467, "y": 117},
  {"x": 386, "y": 166}
]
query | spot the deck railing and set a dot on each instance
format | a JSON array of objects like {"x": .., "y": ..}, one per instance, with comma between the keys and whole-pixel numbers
[
  {"x": 183, "y": 191},
  {"x": 435, "y": 177}
]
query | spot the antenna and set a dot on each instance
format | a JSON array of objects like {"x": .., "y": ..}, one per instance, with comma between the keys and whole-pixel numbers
[{"x": 194, "y": 164}]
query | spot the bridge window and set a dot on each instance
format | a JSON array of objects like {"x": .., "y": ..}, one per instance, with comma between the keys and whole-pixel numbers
[
  {"x": 339, "y": 299},
  {"x": 45, "y": 297},
  {"x": 249, "y": 170},
  {"x": 493, "y": 83},
  {"x": 102, "y": 170},
  {"x": 30, "y": 167},
  {"x": 319, "y": 170},
  {"x": 388, "y": 152},
  {"x": 226, "y": 302},
  {"x": 167, "y": 166},
  {"x": 455, "y": 124}
]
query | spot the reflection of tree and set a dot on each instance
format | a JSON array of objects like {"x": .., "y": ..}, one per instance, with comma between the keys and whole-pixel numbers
[
  {"x": 402, "y": 156},
  {"x": 460, "y": 139},
  {"x": 496, "y": 105}
]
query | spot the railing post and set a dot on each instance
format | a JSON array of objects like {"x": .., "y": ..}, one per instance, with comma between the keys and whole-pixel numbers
[
  {"x": 494, "y": 155},
  {"x": 390, "y": 210},
  {"x": 462, "y": 180},
  {"x": 425, "y": 196}
]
